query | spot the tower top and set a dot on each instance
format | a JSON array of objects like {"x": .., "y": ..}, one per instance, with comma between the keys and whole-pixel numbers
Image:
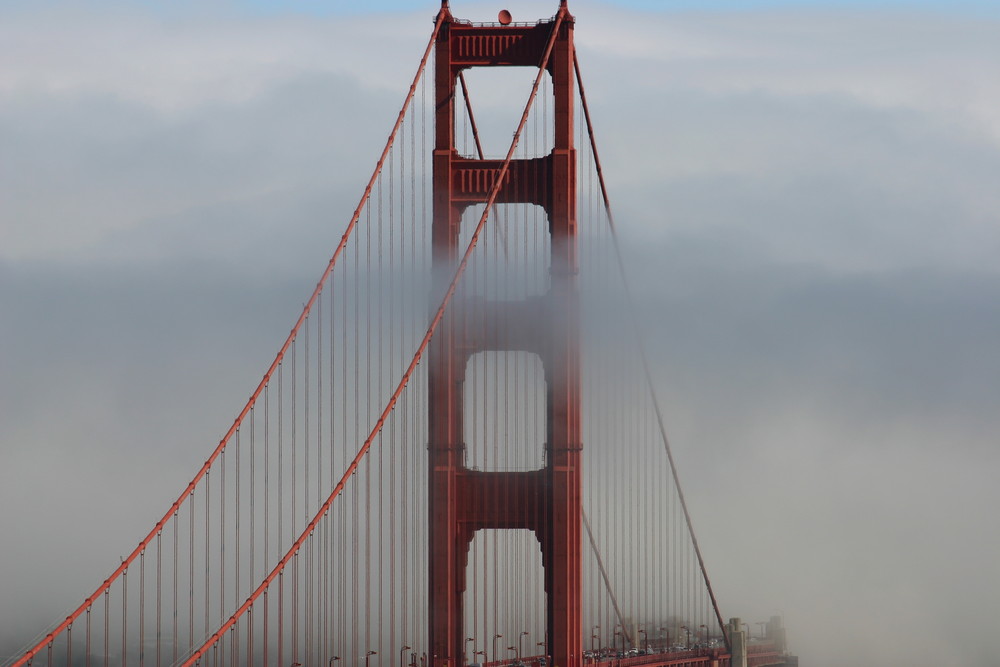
[{"x": 562, "y": 4}]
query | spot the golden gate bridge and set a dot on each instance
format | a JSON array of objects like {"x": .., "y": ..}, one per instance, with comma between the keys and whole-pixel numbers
[{"x": 457, "y": 455}]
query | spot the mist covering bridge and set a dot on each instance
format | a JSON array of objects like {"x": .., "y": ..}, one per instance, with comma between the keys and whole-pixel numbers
[{"x": 457, "y": 455}]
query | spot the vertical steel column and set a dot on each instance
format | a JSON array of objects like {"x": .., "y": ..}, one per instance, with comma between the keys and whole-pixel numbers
[
  {"x": 445, "y": 438},
  {"x": 548, "y": 500},
  {"x": 561, "y": 543}
]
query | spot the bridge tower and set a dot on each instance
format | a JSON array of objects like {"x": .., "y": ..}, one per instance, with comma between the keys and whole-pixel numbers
[{"x": 546, "y": 501}]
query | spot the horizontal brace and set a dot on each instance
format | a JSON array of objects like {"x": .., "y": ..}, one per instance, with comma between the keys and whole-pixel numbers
[
  {"x": 501, "y": 500},
  {"x": 527, "y": 181},
  {"x": 492, "y": 46}
]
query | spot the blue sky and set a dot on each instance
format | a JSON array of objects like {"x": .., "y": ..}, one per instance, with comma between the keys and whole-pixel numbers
[
  {"x": 338, "y": 6},
  {"x": 354, "y": 7}
]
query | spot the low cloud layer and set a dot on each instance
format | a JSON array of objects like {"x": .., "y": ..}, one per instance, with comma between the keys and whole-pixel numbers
[{"x": 810, "y": 207}]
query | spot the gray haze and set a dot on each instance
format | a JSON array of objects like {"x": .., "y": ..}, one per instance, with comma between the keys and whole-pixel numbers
[{"x": 811, "y": 208}]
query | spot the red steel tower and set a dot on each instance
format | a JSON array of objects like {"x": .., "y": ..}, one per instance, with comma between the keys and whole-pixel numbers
[{"x": 546, "y": 501}]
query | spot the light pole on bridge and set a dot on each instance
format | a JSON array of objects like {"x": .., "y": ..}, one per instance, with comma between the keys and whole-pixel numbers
[
  {"x": 495, "y": 638},
  {"x": 401, "y": 652},
  {"x": 465, "y": 650}
]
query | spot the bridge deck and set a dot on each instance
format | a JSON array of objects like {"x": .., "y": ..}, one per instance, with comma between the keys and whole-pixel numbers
[{"x": 758, "y": 655}]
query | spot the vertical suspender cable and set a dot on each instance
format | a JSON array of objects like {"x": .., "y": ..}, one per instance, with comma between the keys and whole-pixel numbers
[{"x": 86, "y": 646}]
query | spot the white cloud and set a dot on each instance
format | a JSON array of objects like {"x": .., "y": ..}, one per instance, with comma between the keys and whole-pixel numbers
[
  {"x": 890, "y": 103},
  {"x": 899, "y": 59},
  {"x": 179, "y": 63}
]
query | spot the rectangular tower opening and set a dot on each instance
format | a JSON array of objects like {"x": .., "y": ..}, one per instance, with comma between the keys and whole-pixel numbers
[
  {"x": 497, "y": 96},
  {"x": 511, "y": 261},
  {"x": 504, "y": 412},
  {"x": 504, "y": 596}
]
